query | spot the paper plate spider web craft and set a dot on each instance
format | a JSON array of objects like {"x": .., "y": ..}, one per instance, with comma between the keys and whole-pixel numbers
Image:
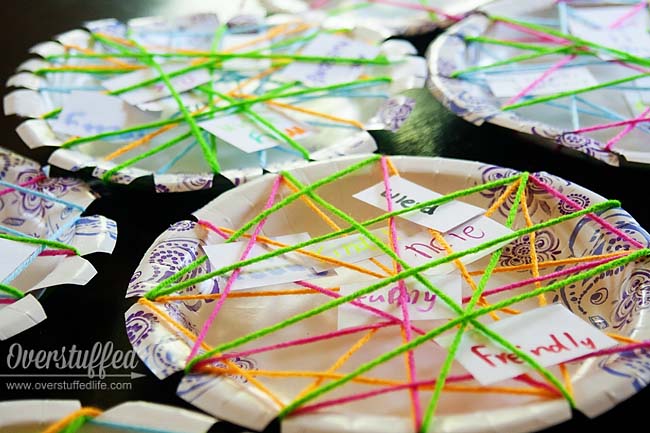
[
  {"x": 43, "y": 235},
  {"x": 290, "y": 298},
  {"x": 574, "y": 76},
  {"x": 68, "y": 416},
  {"x": 390, "y": 17},
  {"x": 186, "y": 99}
]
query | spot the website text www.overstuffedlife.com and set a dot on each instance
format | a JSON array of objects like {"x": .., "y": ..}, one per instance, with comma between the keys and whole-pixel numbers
[{"x": 69, "y": 368}]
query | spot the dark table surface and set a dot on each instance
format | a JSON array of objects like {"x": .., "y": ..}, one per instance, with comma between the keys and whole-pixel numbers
[{"x": 143, "y": 215}]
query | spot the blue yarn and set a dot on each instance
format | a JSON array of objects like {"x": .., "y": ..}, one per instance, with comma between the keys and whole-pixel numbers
[
  {"x": 165, "y": 168},
  {"x": 42, "y": 195}
]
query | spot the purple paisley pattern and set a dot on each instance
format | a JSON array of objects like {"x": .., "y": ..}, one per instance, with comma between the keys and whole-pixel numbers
[
  {"x": 183, "y": 183},
  {"x": 634, "y": 297},
  {"x": 615, "y": 298},
  {"x": 547, "y": 247},
  {"x": 395, "y": 111},
  {"x": 632, "y": 365},
  {"x": 583, "y": 144},
  {"x": 580, "y": 199},
  {"x": 120, "y": 177},
  {"x": 536, "y": 197},
  {"x": 168, "y": 257},
  {"x": 34, "y": 215},
  {"x": 139, "y": 325},
  {"x": 192, "y": 384}
]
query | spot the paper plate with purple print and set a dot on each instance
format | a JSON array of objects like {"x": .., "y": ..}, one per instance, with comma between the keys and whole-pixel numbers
[
  {"x": 44, "y": 234},
  {"x": 571, "y": 75},
  {"x": 305, "y": 296}
]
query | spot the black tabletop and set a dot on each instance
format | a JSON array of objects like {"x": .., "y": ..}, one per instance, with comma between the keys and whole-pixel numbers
[{"x": 83, "y": 316}]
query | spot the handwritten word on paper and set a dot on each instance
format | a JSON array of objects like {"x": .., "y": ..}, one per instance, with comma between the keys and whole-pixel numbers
[
  {"x": 593, "y": 24},
  {"x": 12, "y": 255},
  {"x": 421, "y": 302},
  {"x": 351, "y": 249},
  {"x": 87, "y": 113},
  {"x": 276, "y": 270},
  {"x": 245, "y": 134},
  {"x": 423, "y": 247},
  {"x": 550, "y": 335},
  {"x": 327, "y": 73},
  {"x": 181, "y": 83},
  {"x": 504, "y": 85},
  {"x": 405, "y": 194}
]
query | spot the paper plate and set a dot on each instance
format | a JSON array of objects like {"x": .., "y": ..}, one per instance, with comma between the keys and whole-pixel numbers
[
  {"x": 33, "y": 416},
  {"x": 604, "y": 119},
  {"x": 318, "y": 101},
  {"x": 280, "y": 341},
  {"x": 43, "y": 236},
  {"x": 391, "y": 17}
]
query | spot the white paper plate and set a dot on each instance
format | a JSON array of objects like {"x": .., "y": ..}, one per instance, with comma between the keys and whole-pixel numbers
[
  {"x": 551, "y": 123},
  {"x": 613, "y": 300},
  {"x": 30, "y": 416},
  {"x": 390, "y": 17},
  {"x": 183, "y": 166},
  {"x": 43, "y": 208}
]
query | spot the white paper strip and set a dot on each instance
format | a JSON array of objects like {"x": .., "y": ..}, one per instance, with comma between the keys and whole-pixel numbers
[
  {"x": 181, "y": 83},
  {"x": 550, "y": 335},
  {"x": 405, "y": 194},
  {"x": 327, "y": 73},
  {"x": 422, "y": 304}
]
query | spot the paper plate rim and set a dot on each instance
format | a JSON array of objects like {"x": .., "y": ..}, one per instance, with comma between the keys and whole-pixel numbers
[{"x": 48, "y": 411}]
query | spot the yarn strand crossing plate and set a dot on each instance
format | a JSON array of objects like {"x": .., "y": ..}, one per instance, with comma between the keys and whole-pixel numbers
[
  {"x": 572, "y": 76},
  {"x": 44, "y": 234},
  {"x": 346, "y": 296},
  {"x": 181, "y": 100}
]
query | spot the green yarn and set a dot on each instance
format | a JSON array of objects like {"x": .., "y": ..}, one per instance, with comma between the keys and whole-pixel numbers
[
  {"x": 579, "y": 41},
  {"x": 207, "y": 114},
  {"x": 184, "y": 270},
  {"x": 389, "y": 280},
  {"x": 145, "y": 57},
  {"x": 166, "y": 145},
  {"x": 16, "y": 293},
  {"x": 558, "y": 95},
  {"x": 419, "y": 340},
  {"x": 194, "y": 128},
  {"x": 260, "y": 119},
  {"x": 43, "y": 242},
  {"x": 155, "y": 292},
  {"x": 467, "y": 316},
  {"x": 519, "y": 58},
  {"x": 445, "y": 369},
  {"x": 75, "y": 425},
  {"x": 505, "y": 43}
]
